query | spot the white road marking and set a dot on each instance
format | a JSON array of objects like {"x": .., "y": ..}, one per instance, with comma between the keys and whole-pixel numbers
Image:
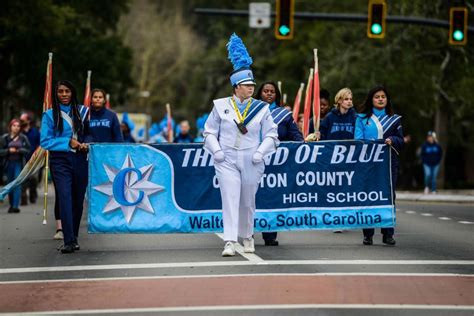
[
  {"x": 239, "y": 275},
  {"x": 410, "y": 212},
  {"x": 426, "y": 214},
  {"x": 231, "y": 264},
  {"x": 240, "y": 250},
  {"x": 254, "y": 307},
  {"x": 465, "y": 222},
  {"x": 444, "y": 218}
]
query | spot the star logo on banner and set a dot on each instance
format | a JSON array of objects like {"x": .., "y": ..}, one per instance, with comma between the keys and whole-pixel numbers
[{"x": 129, "y": 189}]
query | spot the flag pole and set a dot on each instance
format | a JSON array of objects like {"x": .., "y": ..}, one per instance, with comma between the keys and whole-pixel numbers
[
  {"x": 47, "y": 100},
  {"x": 169, "y": 123},
  {"x": 316, "y": 100}
]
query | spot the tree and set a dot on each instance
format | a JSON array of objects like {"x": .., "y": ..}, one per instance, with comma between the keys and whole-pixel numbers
[{"x": 81, "y": 34}]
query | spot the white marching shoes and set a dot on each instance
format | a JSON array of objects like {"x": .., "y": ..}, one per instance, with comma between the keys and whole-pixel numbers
[
  {"x": 249, "y": 245},
  {"x": 229, "y": 249}
]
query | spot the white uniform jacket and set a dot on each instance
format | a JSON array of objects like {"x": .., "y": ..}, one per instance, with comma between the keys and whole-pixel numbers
[{"x": 221, "y": 124}]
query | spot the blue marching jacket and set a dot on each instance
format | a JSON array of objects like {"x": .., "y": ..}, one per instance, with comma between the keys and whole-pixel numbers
[
  {"x": 381, "y": 126},
  {"x": 51, "y": 139},
  {"x": 287, "y": 129}
]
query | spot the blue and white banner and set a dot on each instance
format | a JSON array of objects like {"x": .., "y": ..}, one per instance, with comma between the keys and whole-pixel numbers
[{"x": 172, "y": 188}]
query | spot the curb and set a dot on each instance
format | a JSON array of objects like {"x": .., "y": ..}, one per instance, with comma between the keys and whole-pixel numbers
[{"x": 419, "y": 197}]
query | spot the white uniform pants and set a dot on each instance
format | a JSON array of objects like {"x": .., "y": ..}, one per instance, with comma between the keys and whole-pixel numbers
[{"x": 238, "y": 181}]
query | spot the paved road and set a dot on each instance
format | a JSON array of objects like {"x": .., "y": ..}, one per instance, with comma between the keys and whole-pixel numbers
[{"x": 430, "y": 271}]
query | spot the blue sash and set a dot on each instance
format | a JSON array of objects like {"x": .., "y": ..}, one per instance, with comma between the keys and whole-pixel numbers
[
  {"x": 279, "y": 114},
  {"x": 255, "y": 108}
]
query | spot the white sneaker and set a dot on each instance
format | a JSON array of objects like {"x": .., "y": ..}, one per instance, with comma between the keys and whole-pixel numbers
[
  {"x": 427, "y": 190},
  {"x": 249, "y": 245},
  {"x": 59, "y": 235},
  {"x": 229, "y": 249}
]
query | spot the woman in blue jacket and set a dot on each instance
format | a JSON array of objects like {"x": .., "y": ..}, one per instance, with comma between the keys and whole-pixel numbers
[
  {"x": 377, "y": 121},
  {"x": 287, "y": 130},
  {"x": 63, "y": 130}
]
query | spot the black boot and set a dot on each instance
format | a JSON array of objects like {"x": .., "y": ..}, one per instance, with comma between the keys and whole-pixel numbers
[
  {"x": 67, "y": 248},
  {"x": 76, "y": 245},
  {"x": 271, "y": 242},
  {"x": 367, "y": 241},
  {"x": 388, "y": 240}
]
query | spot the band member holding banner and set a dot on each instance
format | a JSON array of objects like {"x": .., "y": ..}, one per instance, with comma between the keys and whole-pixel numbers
[
  {"x": 239, "y": 132},
  {"x": 377, "y": 121},
  {"x": 287, "y": 130},
  {"x": 63, "y": 129}
]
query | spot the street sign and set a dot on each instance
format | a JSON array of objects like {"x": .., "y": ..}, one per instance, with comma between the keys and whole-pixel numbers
[{"x": 259, "y": 16}]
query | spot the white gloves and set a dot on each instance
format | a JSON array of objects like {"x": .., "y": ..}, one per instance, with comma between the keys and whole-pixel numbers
[
  {"x": 267, "y": 146},
  {"x": 212, "y": 144},
  {"x": 219, "y": 156},
  {"x": 257, "y": 157}
]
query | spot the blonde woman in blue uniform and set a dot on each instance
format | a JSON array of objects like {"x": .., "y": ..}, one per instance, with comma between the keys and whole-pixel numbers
[{"x": 239, "y": 132}]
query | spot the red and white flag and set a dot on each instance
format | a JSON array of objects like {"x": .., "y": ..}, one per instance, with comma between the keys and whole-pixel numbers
[
  {"x": 107, "y": 101},
  {"x": 316, "y": 101},
  {"x": 307, "y": 104},
  {"x": 296, "y": 105},
  {"x": 48, "y": 88},
  {"x": 87, "y": 92}
]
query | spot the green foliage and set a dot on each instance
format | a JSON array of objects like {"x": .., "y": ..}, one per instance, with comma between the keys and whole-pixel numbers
[{"x": 81, "y": 36}]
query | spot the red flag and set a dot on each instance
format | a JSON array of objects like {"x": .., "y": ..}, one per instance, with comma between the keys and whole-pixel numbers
[
  {"x": 87, "y": 92},
  {"x": 316, "y": 101},
  {"x": 48, "y": 88},
  {"x": 307, "y": 104},
  {"x": 169, "y": 125},
  {"x": 296, "y": 105},
  {"x": 107, "y": 101}
]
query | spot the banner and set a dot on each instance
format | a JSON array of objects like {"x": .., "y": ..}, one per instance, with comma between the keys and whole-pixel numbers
[{"x": 172, "y": 188}]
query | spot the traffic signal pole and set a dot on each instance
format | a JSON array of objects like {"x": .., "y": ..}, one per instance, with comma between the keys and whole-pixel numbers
[{"x": 395, "y": 19}]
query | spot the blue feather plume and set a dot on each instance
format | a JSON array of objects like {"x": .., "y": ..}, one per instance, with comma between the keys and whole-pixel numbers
[{"x": 238, "y": 55}]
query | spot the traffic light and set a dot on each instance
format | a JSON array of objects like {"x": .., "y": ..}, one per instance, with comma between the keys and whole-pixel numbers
[
  {"x": 376, "y": 19},
  {"x": 284, "y": 19},
  {"x": 458, "y": 26}
]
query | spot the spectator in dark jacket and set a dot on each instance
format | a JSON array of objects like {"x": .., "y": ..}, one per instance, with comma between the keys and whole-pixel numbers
[
  {"x": 184, "y": 136},
  {"x": 431, "y": 154},
  {"x": 14, "y": 146}
]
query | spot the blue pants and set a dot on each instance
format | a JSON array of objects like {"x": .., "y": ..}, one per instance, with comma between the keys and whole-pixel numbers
[
  {"x": 13, "y": 170},
  {"x": 387, "y": 231},
  {"x": 431, "y": 173},
  {"x": 70, "y": 179}
]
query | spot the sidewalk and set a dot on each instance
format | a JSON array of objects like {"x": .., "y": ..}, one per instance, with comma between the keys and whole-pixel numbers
[{"x": 453, "y": 196}]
